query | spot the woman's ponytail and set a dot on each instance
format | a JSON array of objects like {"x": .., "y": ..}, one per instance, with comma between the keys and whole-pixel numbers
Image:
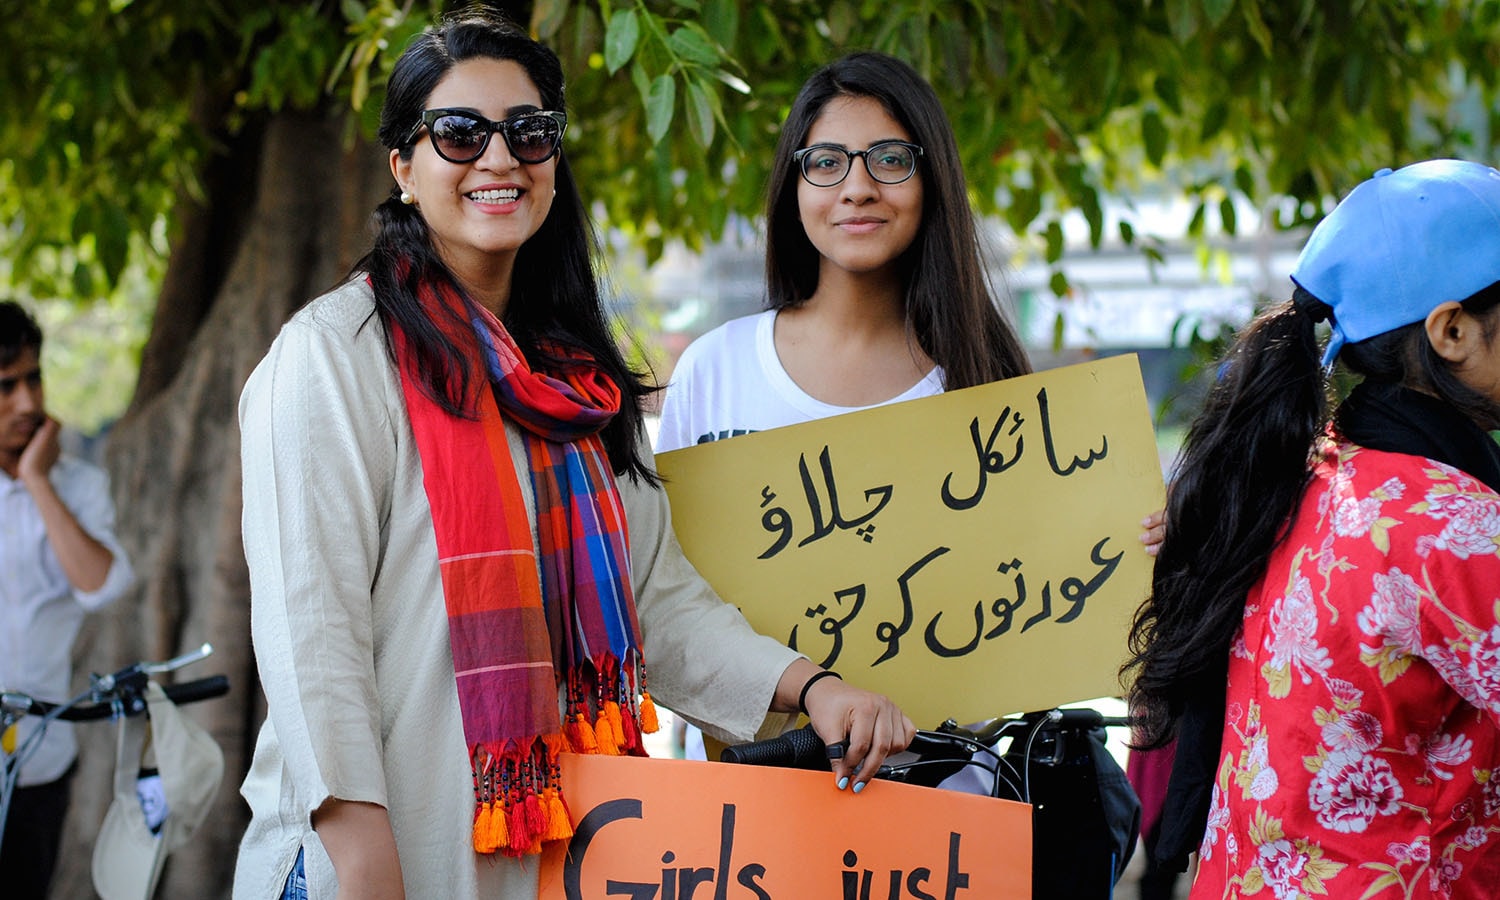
[{"x": 1241, "y": 474}]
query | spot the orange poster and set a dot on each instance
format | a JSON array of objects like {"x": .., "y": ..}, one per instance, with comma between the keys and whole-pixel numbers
[{"x": 662, "y": 829}]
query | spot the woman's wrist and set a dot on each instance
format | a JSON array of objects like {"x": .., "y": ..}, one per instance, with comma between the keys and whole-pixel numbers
[{"x": 807, "y": 686}]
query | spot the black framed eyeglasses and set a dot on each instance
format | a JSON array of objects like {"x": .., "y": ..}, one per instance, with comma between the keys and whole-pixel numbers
[
  {"x": 888, "y": 162},
  {"x": 461, "y": 136}
]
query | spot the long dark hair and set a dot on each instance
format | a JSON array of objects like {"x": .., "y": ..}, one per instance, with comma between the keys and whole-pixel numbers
[
  {"x": 950, "y": 306},
  {"x": 554, "y": 294},
  {"x": 1243, "y": 471}
]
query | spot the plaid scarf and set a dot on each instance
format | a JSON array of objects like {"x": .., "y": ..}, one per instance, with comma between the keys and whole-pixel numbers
[{"x": 515, "y": 636}]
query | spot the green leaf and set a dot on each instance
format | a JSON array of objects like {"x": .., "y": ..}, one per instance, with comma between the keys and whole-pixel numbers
[
  {"x": 1182, "y": 19},
  {"x": 1154, "y": 136},
  {"x": 112, "y": 241},
  {"x": 642, "y": 81},
  {"x": 1255, "y": 23},
  {"x": 547, "y": 16},
  {"x": 1195, "y": 224},
  {"x": 994, "y": 53},
  {"x": 1217, "y": 11},
  {"x": 700, "y": 110},
  {"x": 1244, "y": 180},
  {"x": 1025, "y": 204},
  {"x": 1166, "y": 90},
  {"x": 83, "y": 223},
  {"x": 1059, "y": 322},
  {"x": 1356, "y": 82},
  {"x": 1227, "y": 215},
  {"x": 620, "y": 38},
  {"x": 1127, "y": 233},
  {"x": 721, "y": 19},
  {"x": 659, "y": 102},
  {"x": 353, "y": 10},
  {"x": 1093, "y": 212},
  {"x": 689, "y": 42},
  {"x": 1054, "y": 241},
  {"x": 1214, "y": 119},
  {"x": 83, "y": 280},
  {"x": 1059, "y": 284}
]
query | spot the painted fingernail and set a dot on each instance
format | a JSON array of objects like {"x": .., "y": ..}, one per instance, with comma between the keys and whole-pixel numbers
[
  {"x": 859, "y": 786},
  {"x": 844, "y": 782}
]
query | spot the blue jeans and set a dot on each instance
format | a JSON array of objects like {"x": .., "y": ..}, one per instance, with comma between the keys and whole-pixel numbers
[{"x": 296, "y": 882}]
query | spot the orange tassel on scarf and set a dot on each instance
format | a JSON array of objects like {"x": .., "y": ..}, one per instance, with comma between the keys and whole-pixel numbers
[{"x": 649, "y": 723}]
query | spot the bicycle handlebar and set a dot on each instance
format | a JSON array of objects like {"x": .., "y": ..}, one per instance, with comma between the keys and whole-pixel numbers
[
  {"x": 131, "y": 702},
  {"x": 802, "y": 748}
]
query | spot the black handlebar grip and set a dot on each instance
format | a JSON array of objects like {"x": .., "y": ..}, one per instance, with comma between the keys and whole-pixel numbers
[
  {"x": 1079, "y": 717},
  {"x": 797, "y": 749},
  {"x": 201, "y": 689},
  {"x": 186, "y": 692}
]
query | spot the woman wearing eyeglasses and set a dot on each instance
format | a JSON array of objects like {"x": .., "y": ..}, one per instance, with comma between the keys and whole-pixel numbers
[
  {"x": 440, "y": 460},
  {"x": 876, "y": 289}
]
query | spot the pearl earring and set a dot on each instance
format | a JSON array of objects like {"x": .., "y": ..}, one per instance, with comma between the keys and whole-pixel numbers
[{"x": 407, "y": 198}]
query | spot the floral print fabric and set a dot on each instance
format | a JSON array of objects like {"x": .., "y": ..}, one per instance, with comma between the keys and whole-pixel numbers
[{"x": 1361, "y": 753}]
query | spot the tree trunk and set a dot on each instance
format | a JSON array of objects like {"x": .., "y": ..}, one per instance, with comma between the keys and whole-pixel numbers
[{"x": 174, "y": 459}]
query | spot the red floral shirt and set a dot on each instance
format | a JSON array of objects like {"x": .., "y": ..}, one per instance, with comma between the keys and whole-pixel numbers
[{"x": 1361, "y": 754}]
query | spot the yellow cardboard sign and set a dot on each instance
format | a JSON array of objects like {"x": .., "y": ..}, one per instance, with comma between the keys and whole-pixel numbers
[
  {"x": 680, "y": 830},
  {"x": 970, "y": 555}
]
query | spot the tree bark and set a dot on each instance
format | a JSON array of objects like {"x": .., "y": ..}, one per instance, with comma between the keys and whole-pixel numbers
[{"x": 175, "y": 467}]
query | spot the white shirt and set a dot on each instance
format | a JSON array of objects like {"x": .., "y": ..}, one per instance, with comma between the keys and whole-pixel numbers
[
  {"x": 731, "y": 382},
  {"x": 40, "y": 612}
]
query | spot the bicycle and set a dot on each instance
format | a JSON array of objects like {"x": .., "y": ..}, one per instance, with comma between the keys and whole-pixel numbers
[
  {"x": 1085, "y": 816},
  {"x": 123, "y": 696}
]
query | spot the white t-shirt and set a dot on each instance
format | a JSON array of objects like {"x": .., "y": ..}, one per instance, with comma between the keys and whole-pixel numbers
[{"x": 730, "y": 382}]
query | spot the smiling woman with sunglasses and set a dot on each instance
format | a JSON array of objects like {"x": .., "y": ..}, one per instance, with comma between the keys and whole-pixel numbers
[{"x": 440, "y": 459}]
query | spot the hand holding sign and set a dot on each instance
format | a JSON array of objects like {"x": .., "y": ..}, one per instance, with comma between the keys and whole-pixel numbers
[
  {"x": 874, "y": 726},
  {"x": 987, "y": 537}
]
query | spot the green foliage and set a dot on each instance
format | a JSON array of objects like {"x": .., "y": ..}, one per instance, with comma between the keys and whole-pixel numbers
[
  {"x": 90, "y": 352},
  {"x": 676, "y": 103}
]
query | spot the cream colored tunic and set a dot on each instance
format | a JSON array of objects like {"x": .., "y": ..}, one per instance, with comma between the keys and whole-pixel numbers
[{"x": 351, "y": 633}]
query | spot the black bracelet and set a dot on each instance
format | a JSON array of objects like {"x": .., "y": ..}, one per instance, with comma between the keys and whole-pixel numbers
[{"x": 802, "y": 697}]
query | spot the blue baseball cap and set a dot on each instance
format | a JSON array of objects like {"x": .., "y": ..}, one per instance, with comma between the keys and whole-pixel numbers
[{"x": 1401, "y": 244}]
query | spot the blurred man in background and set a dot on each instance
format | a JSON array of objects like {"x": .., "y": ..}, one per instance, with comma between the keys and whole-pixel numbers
[{"x": 58, "y": 560}]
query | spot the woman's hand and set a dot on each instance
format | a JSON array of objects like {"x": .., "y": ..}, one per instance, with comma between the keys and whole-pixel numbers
[
  {"x": 1156, "y": 531},
  {"x": 872, "y": 723}
]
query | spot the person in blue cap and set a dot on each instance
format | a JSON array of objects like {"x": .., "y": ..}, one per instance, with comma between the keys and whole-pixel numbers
[{"x": 1321, "y": 634}]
